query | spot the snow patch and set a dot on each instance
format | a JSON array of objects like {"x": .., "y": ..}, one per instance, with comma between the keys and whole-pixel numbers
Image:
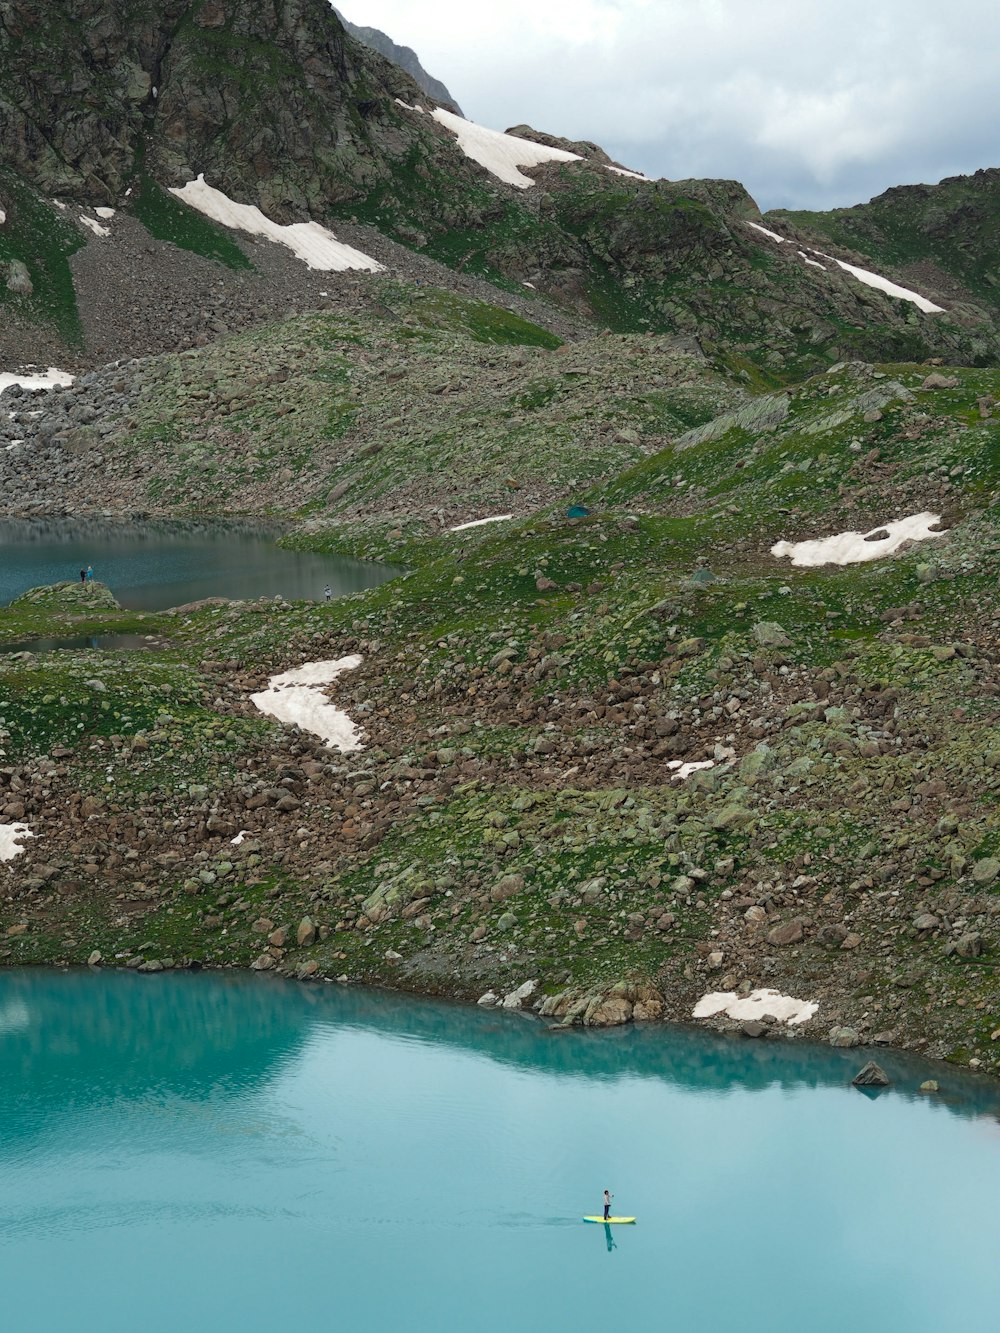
[
  {"x": 481, "y": 522},
  {"x": 759, "y": 1004},
  {"x": 852, "y": 548},
  {"x": 620, "y": 171},
  {"x": 814, "y": 262},
  {"x": 884, "y": 285},
  {"x": 406, "y": 106},
  {"x": 96, "y": 227},
  {"x": 47, "y": 380},
  {"x": 3, "y": 217},
  {"x": 106, "y": 213},
  {"x": 773, "y": 234},
  {"x": 313, "y": 244},
  {"x": 239, "y": 839},
  {"x": 684, "y": 770},
  {"x": 501, "y": 154},
  {"x": 295, "y": 699},
  {"x": 11, "y": 836},
  {"x": 862, "y": 274}
]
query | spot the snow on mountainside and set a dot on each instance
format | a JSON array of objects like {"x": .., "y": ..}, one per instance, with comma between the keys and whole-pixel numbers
[
  {"x": 313, "y": 244},
  {"x": 862, "y": 274}
]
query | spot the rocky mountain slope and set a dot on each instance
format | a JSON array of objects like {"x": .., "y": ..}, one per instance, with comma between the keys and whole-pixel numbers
[
  {"x": 631, "y": 758},
  {"x": 405, "y": 57}
]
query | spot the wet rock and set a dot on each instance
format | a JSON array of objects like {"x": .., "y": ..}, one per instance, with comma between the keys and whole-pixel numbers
[
  {"x": 871, "y": 1076},
  {"x": 930, "y": 1085}
]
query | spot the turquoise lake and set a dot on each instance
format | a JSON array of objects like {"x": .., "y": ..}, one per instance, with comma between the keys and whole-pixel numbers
[
  {"x": 152, "y": 566},
  {"x": 232, "y": 1153}
]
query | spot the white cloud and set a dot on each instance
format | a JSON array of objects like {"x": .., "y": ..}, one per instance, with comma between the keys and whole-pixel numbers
[{"x": 805, "y": 102}]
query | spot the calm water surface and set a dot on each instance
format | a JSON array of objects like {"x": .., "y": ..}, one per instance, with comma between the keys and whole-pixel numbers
[
  {"x": 235, "y": 1154},
  {"x": 151, "y": 567}
]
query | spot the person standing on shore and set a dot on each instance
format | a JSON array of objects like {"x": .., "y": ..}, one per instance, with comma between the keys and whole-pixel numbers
[
  {"x": 327, "y": 593},
  {"x": 90, "y": 573},
  {"x": 83, "y": 576}
]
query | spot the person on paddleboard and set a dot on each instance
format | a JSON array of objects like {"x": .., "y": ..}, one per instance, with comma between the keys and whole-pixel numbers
[{"x": 607, "y": 1204}]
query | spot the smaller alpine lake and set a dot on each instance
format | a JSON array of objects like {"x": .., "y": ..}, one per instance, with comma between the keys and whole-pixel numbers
[
  {"x": 227, "y": 1152},
  {"x": 153, "y": 566}
]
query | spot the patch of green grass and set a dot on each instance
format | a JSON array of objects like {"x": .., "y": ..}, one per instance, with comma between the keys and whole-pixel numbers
[
  {"x": 166, "y": 218},
  {"x": 38, "y": 235}
]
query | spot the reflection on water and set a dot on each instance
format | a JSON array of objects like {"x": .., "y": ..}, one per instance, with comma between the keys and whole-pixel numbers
[
  {"x": 210, "y": 1148},
  {"x": 106, "y": 642},
  {"x": 153, "y": 566}
]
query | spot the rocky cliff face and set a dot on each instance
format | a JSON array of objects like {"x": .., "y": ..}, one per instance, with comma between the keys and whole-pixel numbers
[
  {"x": 273, "y": 100},
  {"x": 405, "y": 57}
]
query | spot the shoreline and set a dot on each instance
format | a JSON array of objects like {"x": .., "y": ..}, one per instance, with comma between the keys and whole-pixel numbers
[{"x": 730, "y": 1031}]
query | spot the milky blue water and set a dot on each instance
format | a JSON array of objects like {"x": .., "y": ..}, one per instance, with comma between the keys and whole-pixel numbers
[
  {"x": 151, "y": 567},
  {"x": 203, "y": 1153}
]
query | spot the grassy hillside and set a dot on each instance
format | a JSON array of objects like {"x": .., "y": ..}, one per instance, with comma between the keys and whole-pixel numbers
[
  {"x": 954, "y": 226},
  {"x": 527, "y": 686}
]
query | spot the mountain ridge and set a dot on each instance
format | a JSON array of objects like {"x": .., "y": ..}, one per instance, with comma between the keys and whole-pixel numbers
[{"x": 403, "y": 56}]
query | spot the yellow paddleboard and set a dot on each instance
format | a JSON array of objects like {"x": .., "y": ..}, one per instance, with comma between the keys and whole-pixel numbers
[{"x": 609, "y": 1219}]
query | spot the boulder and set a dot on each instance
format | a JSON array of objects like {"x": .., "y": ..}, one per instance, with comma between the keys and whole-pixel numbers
[
  {"x": 608, "y": 1011},
  {"x": 306, "y": 933},
  {"x": 788, "y": 932},
  {"x": 19, "y": 279},
  {"x": 871, "y": 1076},
  {"x": 986, "y": 870},
  {"x": 937, "y": 381},
  {"x": 970, "y": 945},
  {"x": 515, "y": 999},
  {"x": 840, "y": 1036},
  {"x": 769, "y": 634}
]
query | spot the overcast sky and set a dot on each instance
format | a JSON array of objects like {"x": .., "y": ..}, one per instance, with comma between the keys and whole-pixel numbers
[{"x": 810, "y": 103}]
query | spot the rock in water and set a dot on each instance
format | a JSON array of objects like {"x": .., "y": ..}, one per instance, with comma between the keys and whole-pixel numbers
[{"x": 872, "y": 1076}]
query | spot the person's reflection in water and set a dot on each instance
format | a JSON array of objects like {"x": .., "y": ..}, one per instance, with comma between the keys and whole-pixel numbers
[{"x": 612, "y": 1243}]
